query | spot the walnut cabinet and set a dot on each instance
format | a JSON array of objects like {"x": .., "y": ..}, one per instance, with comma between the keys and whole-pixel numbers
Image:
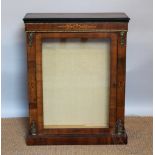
[{"x": 76, "y": 78}]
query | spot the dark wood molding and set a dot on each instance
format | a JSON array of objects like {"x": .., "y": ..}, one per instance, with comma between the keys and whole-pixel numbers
[{"x": 75, "y": 17}]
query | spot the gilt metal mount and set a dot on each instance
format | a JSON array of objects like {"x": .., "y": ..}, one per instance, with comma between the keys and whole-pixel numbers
[
  {"x": 119, "y": 135},
  {"x": 33, "y": 129},
  {"x": 30, "y": 38},
  {"x": 122, "y": 38},
  {"x": 119, "y": 128}
]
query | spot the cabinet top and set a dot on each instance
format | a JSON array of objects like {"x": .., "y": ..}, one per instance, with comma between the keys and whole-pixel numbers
[{"x": 75, "y": 17}]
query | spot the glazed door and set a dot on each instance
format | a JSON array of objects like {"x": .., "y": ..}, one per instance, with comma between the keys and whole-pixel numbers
[{"x": 76, "y": 82}]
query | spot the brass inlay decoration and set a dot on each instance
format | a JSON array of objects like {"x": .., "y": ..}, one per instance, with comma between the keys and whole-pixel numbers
[
  {"x": 76, "y": 26},
  {"x": 91, "y": 30},
  {"x": 30, "y": 38},
  {"x": 33, "y": 129},
  {"x": 122, "y": 40}
]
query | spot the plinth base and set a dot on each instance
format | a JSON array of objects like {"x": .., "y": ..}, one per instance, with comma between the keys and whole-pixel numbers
[{"x": 79, "y": 139}]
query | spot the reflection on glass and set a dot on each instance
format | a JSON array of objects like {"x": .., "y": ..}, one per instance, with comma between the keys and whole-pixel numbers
[{"x": 76, "y": 81}]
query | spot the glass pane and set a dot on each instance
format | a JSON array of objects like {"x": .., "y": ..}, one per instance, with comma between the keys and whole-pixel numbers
[{"x": 76, "y": 80}]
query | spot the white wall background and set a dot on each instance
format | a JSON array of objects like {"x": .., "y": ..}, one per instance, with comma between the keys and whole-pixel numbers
[{"x": 139, "y": 49}]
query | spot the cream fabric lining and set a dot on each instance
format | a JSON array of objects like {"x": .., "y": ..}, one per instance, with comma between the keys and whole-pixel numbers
[{"x": 75, "y": 83}]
